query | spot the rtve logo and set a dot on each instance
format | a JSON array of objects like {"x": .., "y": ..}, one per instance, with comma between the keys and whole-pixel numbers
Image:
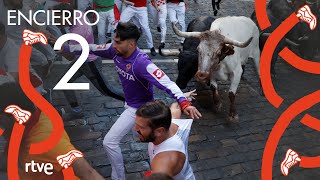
[{"x": 35, "y": 167}]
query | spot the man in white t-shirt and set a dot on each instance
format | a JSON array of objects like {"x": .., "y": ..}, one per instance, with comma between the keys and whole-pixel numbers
[{"x": 167, "y": 135}]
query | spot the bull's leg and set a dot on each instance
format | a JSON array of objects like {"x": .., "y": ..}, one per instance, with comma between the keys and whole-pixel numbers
[
  {"x": 217, "y": 105},
  {"x": 256, "y": 60},
  {"x": 243, "y": 69},
  {"x": 235, "y": 77},
  {"x": 233, "y": 116},
  {"x": 275, "y": 58}
]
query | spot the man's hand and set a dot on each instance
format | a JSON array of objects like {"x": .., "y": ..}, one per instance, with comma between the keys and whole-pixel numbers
[
  {"x": 191, "y": 95},
  {"x": 154, "y": 4},
  {"x": 192, "y": 111}
]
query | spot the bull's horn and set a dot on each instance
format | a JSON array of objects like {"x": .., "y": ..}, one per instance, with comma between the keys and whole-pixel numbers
[
  {"x": 288, "y": 41},
  {"x": 265, "y": 34},
  {"x": 171, "y": 53},
  {"x": 303, "y": 38},
  {"x": 237, "y": 43},
  {"x": 185, "y": 34}
]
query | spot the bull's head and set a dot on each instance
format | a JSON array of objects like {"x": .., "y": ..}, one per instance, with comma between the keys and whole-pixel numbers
[{"x": 213, "y": 48}]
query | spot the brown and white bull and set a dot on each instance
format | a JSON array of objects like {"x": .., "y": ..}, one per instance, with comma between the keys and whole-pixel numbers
[{"x": 223, "y": 50}]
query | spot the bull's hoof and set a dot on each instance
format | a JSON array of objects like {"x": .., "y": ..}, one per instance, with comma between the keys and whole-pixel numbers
[
  {"x": 233, "y": 119},
  {"x": 218, "y": 108}
]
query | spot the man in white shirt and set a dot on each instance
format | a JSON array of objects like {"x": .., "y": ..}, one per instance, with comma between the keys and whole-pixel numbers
[{"x": 167, "y": 135}]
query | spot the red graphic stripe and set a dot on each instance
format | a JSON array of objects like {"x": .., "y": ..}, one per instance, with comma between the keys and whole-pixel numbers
[
  {"x": 279, "y": 128},
  {"x": 1, "y": 132},
  {"x": 266, "y": 56},
  {"x": 261, "y": 13},
  {"x": 68, "y": 173},
  {"x": 40, "y": 102},
  {"x": 310, "y": 162},
  {"x": 13, "y": 151},
  {"x": 299, "y": 63},
  {"x": 311, "y": 122}
]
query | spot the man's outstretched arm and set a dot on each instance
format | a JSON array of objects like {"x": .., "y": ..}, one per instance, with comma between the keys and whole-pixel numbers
[
  {"x": 176, "y": 109},
  {"x": 102, "y": 50},
  {"x": 157, "y": 77}
]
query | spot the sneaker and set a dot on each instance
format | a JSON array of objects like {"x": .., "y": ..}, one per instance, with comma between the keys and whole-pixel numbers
[
  {"x": 290, "y": 160},
  {"x": 159, "y": 29},
  {"x": 30, "y": 37},
  {"x": 21, "y": 115},
  {"x": 153, "y": 51},
  {"x": 72, "y": 115},
  {"x": 66, "y": 160},
  {"x": 162, "y": 45},
  {"x": 305, "y": 14}
]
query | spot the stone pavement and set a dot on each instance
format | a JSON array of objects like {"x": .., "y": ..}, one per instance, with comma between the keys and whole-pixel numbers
[{"x": 217, "y": 150}]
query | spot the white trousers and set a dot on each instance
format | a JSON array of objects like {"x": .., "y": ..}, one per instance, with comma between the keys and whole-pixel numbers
[
  {"x": 111, "y": 141},
  {"x": 177, "y": 14},
  {"x": 102, "y": 25},
  {"x": 84, "y": 4},
  {"x": 159, "y": 19},
  {"x": 140, "y": 14},
  {"x": 119, "y": 5}
]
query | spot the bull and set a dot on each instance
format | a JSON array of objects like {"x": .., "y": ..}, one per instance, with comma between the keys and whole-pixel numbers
[
  {"x": 188, "y": 57},
  {"x": 222, "y": 52}
]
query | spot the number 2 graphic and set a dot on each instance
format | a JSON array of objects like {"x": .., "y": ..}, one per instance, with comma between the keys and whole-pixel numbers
[{"x": 63, "y": 83}]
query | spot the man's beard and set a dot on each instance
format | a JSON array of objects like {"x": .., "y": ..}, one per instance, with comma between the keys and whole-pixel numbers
[
  {"x": 119, "y": 53},
  {"x": 150, "y": 138}
]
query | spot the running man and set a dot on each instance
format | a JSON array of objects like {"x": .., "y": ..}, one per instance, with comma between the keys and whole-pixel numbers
[
  {"x": 92, "y": 68},
  {"x": 105, "y": 8},
  {"x": 138, "y": 75},
  {"x": 167, "y": 135},
  {"x": 158, "y": 12},
  {"x": 177, "y": 12},
  {"x": 140, "y": 14}
]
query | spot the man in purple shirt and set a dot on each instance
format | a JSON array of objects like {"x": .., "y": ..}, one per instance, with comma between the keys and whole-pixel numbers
[
  {"x": 91, "y": 68},
  {"x": 138, "y": 75}
]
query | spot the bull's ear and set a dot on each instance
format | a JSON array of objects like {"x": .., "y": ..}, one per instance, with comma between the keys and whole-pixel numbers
[{"x": 227, "y": 49}]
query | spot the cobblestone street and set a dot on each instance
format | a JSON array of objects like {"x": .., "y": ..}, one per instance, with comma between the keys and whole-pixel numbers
[{"x": 217, "y": 150}]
